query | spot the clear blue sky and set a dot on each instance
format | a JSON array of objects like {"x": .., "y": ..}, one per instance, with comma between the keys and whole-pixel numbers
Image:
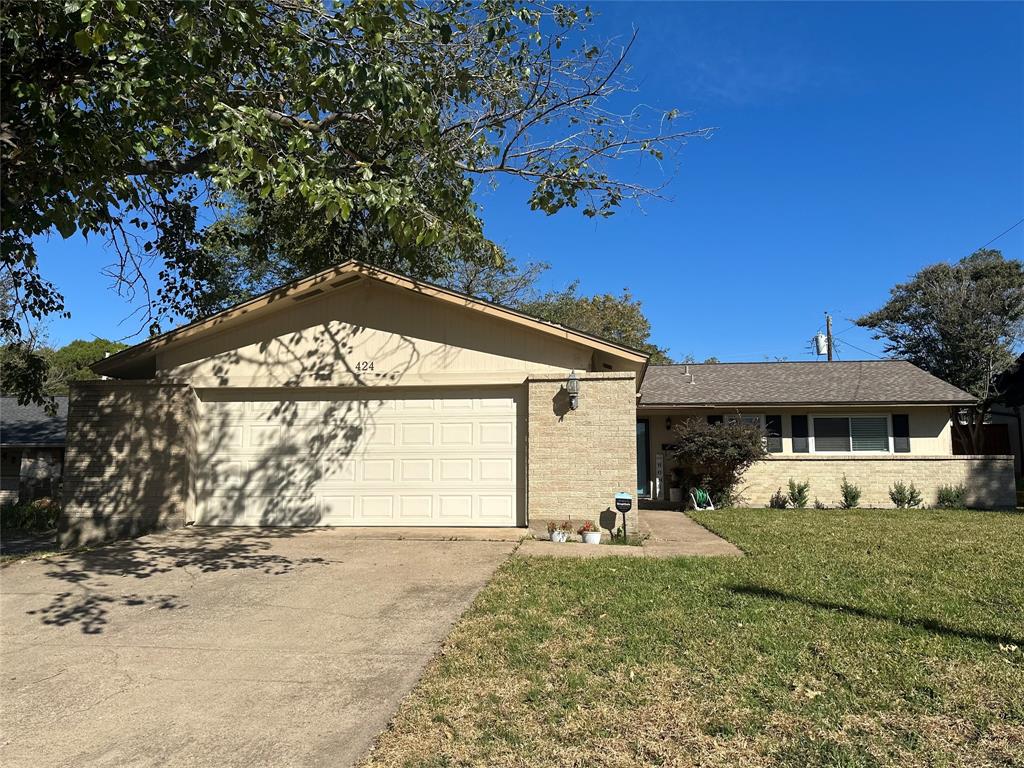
[{"x": 856, "y": 143}]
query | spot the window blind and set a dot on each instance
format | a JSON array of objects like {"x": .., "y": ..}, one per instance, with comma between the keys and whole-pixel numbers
[
  {"x": 831, "y": 434},
  {"x": 869, "y": 433}
]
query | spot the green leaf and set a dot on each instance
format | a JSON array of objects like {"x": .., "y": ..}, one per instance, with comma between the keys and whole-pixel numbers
[{"x": 83, "y": 41}]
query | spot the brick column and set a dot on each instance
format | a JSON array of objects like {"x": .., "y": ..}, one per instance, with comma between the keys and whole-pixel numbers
[{"x": 578, "y": 460}]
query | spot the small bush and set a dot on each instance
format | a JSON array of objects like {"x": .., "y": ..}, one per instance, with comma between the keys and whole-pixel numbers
[
  {"x": 850, "y": 494},
  {"x": 799, "y": 493},
  {"x": 952, "y": 497},
  {"x": 713, "y": 456},
  {"x": 38, "y": 515},
  {"x": 905, "y": 496},
  {"x": 779, "y": 500},
  {"x": 819, "y": 504}
]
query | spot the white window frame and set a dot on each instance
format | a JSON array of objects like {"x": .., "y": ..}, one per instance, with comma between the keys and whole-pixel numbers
[{"x": 812, "y": 448}]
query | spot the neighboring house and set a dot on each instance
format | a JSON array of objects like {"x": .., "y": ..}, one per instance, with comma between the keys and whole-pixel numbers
[
  {"x": 31, "y": 450},
  {"x": 874, "y": 422},
  {"x": 361, "y": 397}
]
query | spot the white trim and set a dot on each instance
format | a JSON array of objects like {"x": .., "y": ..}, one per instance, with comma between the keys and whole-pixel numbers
[{"x": 811, "y": 448}]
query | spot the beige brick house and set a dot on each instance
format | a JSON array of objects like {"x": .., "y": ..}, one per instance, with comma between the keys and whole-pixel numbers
[
  {"x": 875, "y": 422},
  {"x": 360, "y": 397}
]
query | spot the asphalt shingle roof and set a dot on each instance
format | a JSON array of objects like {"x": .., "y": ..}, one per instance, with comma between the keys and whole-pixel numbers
[
  {"x": 803, "y": 383},
  {"x": 30, "y": 424}
]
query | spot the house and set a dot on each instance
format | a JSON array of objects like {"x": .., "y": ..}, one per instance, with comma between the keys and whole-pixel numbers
[
  {"x": 352, "y": 397},
  {"x": 361, "y": 397},
  {"x": 874, "y": 422},
  {"x": 31, "y": 450}
]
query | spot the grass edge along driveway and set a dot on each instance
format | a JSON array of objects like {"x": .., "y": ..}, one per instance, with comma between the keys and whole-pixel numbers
[{"x": 843, "y": 638}]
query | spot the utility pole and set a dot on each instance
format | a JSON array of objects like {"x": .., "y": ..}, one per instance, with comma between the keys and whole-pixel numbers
[{"x": 828, "y": 334}]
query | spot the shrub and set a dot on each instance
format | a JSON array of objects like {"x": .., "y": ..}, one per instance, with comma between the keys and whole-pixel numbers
[
  {"x": 819, "y": 504},
  {"x": 850, "y": 494},
  {"x": 904, "y": 496},
  {"x": 952, "y": 497},
  {"x": 713, "y": 456},
  {"x": 799, "y": 493},
  {"x": 38, "y": 515},
  {"x": 779, "y": 500}
]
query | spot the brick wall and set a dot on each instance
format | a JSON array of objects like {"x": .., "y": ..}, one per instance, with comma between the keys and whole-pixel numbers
[
  {"x": 989, "y": 479},
  {"x": 130, "y": 447},
  {"x": 578, "y": 460}
]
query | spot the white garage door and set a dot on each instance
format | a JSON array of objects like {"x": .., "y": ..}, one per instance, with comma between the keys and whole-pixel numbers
[{"x": 438, "y": 457}]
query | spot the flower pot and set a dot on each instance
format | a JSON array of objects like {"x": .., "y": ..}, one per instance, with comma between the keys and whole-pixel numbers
[
  {"x": 559, "y": 537},
  {"x": 675, "y": 495},
  {"x": 591, "y": 537}
]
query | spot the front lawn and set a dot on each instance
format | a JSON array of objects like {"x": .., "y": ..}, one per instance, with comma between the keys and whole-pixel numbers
[{"x": 844, "y": 638}]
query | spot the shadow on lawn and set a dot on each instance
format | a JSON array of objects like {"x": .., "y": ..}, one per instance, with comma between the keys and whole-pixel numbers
[
  {"x": 92, "y": 575},
  {"x": 930, "y": 625}
]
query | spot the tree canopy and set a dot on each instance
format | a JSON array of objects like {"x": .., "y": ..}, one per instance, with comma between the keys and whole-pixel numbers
[
  {"x": 61, "y": 366},
  {"x": 616, "y": 318},
  {"x": 962, "y": 322},
  {"x": 357, "y": 128}
]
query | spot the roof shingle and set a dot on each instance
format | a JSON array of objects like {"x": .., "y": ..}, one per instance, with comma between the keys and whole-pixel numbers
[
  {"x": 31, "y": 425},
  {"x": 798, "y": 383}
]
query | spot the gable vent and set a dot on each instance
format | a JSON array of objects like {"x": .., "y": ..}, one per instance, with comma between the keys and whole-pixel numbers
[{"x": 307, "y": 294}]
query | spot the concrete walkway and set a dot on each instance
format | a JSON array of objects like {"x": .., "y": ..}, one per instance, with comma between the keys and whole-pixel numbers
[
  {"x": 227, "y": 647},
  {"x": 668, "y": 534}
]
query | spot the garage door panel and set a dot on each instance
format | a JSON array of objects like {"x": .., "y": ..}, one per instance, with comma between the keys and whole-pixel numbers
[
  {"x": 417, "y": 470},
  {"x": 456, "y": 470},
  {"x": 497, "y": 433},
  {"x": 496, "y": 470},
  {"x": 413, "y": 460}
]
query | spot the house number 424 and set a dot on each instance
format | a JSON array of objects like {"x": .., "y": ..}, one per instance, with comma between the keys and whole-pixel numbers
[{"x": 364, "y": 365}]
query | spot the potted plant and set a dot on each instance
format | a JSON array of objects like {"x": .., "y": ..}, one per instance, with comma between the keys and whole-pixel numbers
[
  {"x": 590, "y": 533},
  {"x": 557, "y": 532}
]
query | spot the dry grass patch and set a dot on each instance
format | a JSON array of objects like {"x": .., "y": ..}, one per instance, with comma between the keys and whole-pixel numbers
[{"x": 861, "y": 638}]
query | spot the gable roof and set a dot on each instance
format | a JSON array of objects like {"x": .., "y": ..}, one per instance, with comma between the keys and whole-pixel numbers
[
  {"x": 30, "y": 424},
  {"x": 340, "y": 276},
  {"x": 866, "y": 382}
]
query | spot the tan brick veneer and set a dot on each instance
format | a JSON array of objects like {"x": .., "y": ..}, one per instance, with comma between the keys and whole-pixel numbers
[
  {"x": 578, "y": 460},
  {"x": 989, "y": 479},
  {"x": 130, "y": 449}
]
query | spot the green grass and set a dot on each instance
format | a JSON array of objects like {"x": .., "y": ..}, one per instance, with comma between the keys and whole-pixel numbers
[{"x": 843, "y": 638}]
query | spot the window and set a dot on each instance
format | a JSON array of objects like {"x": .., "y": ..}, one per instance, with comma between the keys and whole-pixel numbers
[
  {"x": 746, "y": 418},
  {"x": 845, "y": 434}
]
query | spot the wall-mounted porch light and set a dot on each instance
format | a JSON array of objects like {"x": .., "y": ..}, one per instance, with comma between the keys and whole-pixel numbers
[
  {"x": 668, "y": 423},
  {"x": 572, "y": 388},
  {"x": 963, "y": 417}
]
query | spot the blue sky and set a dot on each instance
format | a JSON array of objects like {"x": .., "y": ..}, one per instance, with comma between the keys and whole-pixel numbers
[{"x": 856, "y": 143}]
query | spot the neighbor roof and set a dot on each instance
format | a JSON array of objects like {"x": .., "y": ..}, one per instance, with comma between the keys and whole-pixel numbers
[
  {"x": 30, "y": 424},
  {"x": 863, "y": 382},
  {"x": 345, "y": 274}
]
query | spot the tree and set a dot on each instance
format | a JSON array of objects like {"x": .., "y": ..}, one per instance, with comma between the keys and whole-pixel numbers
[
  {"x": 71, "y": 362},
  {"x": 616, "y": 318},
  {"x": 961, "y": 322},
  {"x": 347, "y": 123},
  {"x": 506, "y": 283}
]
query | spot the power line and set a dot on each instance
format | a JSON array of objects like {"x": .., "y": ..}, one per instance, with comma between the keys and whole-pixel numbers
[
  {"x": 879, "y": 357},
  {"x": 986, "y": 245}
]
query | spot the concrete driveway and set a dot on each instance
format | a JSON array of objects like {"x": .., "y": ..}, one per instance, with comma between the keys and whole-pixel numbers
[{"x": 237, "y": 647}]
